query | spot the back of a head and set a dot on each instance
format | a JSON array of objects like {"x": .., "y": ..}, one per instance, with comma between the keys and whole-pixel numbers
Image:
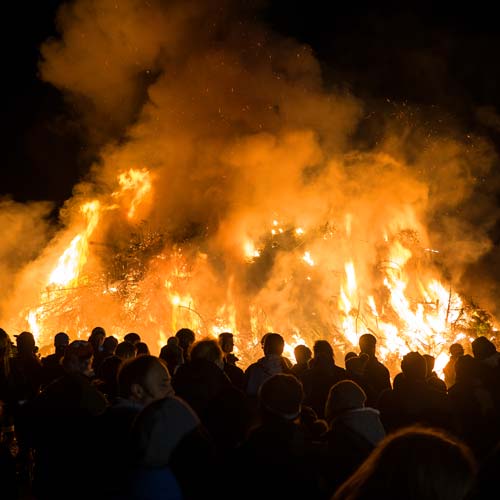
[
  {"x": 281, "y": 395},
  {"x": 186, "y": 337},
  {"x": 413, "y": 463},
  {"x": 25, "y": 343},
  {"x": 171, "y": 351},
  {"x": 132, "y": 337},
  {"x": 97, "y": 331},
  {"x": 456, "y": 350},
  {"x": 110, "y": 344},
  {"x": 302, "y": 354},
  {"x": 142, "y": 348},
  {"x": 273, "y": 344},
  {"x": 77, "y": 357},
  {"x": 414, "y": 366},
  {"x": 357, "y": 364},
  {"x": 61, "y": 339},
  {"x": 125, "y": 350},
  {"x": 322, "y": 348},
  {"x": 207, "y": 349},
  {"x": 482, "y": 348},
  {"x": 349, "y": 355},
  {"x": 367, "y": 343},
  {"x": 344, "y": 396}
]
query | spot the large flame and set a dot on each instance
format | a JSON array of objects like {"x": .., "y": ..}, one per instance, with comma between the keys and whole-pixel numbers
[{"x": 230, "y": 194}]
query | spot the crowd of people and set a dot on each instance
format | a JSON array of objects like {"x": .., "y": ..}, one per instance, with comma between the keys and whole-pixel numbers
[{"x": 103, "y": 418}]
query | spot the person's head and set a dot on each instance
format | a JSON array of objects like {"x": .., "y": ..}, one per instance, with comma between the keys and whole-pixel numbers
[
  {"x": 97, "y": 336},
  {"x": 302, "y": 354},
  {"x": 209, "y": 350},
  {"x": 226, "y": 342},
  {"x": 186, "y": 338},
  {"x": 349, "y": 355},
  {"x": 25, "y": 343},
  {"x": 78, "y": 358},
  {"x": 274, "y": 344},
  {"x": 142, "y": 348},
  {"x": 367, "y": 344},
  {"x": 125, "y": 350},
  {"x": 61, "y": 342},
  {"x": 172, "y": 354},
  {"x": 456, "y": 350},
  {"x": 110, "y": 344},
  {"x": 482, "y": 348},
  {"x": 5, "y": 351},
  {"x": 413, "y": 463},
  {"x": 344, "y": 396},
  {"x": 281, "y": 396},
  {"x": 144, "y": 379},
  {"x": 356, "y": 364},
  {"x": 323, "y": 349},
  {"x": 414, "y": 366},
  {"x": 132, "y": 337}
]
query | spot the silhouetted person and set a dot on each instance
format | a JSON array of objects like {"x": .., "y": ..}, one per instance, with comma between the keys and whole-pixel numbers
[
  {"x": 142, "y": 348},
  {"x": 272, "y": 363},
  {"x": 376, "y": 374},
  {"x": 473, "y": 407},
  {"x": 302, "y": 355},
  {"x": 234, "y": 372},
  {"x": 223, "y": 408},
  {"x": 412, "y": 400},
  {"x": 62, "y": 429},
  {"x": 52, "y": 367},
  {"x": 456, "y": 350},
  {"x": 186, "y": 338},
  {"x": 354, "y": 431},
  {"x": 172, "y": 354},
  {"x": 132, "y": 337},
  {"x": 277, "y": 449},
  {"x": 96, "y": 339},
  {"x": 141, "y": 381},
  {"x": 108, "y": 349},
  {"x": 414, "y": 464},
  {"x": 431, "y": 376},
  {"x": 322, "y": 374}
]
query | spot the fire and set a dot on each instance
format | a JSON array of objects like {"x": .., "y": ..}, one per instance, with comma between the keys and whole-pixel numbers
[
  {"x": 139, "y": 183},
  {"x": 239, "y": 192},
  {"x": 74, "y": 257}
]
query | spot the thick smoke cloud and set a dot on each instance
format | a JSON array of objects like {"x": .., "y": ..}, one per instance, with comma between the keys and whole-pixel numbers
[{"x": 238, "y": 129}]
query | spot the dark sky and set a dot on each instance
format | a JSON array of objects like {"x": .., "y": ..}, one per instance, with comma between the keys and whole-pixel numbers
[{"x": 437, "y": 56}]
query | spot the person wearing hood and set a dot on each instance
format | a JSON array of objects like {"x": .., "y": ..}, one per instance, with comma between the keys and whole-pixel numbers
[{"x": 354, "y": 430}]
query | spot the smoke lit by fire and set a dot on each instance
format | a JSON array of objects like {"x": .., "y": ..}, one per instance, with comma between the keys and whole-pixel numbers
[{"x": 232, "y": 197}]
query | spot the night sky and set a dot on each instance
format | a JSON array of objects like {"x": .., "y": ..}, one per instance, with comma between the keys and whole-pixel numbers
[{"x": 432, "y": 57}]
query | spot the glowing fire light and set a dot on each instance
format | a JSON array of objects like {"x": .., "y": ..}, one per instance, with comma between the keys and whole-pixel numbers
[{"x": 137, "y": 181}]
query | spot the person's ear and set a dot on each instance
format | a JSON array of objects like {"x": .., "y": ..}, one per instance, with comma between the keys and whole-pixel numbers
[{"x": 137, "y": 392}]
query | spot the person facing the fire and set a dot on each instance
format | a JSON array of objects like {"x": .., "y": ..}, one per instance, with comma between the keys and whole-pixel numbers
[{"x": 375, "y": 372}]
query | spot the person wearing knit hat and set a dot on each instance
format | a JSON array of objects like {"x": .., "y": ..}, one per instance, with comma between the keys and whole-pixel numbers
[
  {"x": 282, "y": 395},
  {"x": 344, "y": 396},
  {"x": 354, "y": 430}
]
